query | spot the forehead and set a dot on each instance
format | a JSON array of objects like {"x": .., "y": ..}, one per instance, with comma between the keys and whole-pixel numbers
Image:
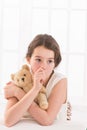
[{"x": 43, "y": 52}]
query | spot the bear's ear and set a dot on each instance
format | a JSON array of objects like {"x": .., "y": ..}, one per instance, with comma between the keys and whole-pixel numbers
[
  {"x": 25, "y": 67},
  {"x": 12, "y": 76}
]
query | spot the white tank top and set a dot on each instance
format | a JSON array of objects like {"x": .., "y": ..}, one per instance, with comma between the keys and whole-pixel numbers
[{"x": 55, "y": 78}]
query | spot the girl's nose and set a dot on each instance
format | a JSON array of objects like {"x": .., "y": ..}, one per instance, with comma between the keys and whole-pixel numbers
[{"x": 43, "y": 65}]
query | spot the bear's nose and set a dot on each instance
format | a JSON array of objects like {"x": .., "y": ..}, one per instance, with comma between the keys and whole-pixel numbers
[{"x": 22, "y": 79}]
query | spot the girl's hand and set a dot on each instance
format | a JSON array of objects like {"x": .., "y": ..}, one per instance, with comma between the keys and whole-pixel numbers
[
  {"x": 39, "y": 77},
  {"x": 10, "y": 89}
]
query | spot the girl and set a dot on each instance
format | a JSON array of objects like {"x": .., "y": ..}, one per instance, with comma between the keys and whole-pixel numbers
[{"x": 43, "y": 56}]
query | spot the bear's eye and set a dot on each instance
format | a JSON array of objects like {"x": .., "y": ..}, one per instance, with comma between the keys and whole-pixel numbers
[{"x": 24, "y": 74}]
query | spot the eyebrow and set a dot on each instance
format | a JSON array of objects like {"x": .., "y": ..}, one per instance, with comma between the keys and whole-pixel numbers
[{"x": 42, "y": 57}]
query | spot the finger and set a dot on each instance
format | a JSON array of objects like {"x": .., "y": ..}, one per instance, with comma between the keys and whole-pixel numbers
[
  {"x": 8, "y": 83},
  {"x": 40, "y": 69},
  {"x": 41, "y": 81}
]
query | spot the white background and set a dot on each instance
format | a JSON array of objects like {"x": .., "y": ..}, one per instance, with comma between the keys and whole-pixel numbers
[{"x": 65, "y": 20}]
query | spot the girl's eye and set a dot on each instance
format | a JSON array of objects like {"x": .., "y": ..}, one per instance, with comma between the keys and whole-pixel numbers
[
  {"x": 50, "y": 61},
  {"x": 38, "y": 60},
  {"x": 24, "y": 74}
]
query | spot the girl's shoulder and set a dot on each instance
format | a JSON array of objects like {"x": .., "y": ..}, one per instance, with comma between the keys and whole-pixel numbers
[{"x": 55, "y": 78}]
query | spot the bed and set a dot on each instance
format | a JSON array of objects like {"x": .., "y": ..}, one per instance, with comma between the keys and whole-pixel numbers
[{"x": 27, "y": 124}]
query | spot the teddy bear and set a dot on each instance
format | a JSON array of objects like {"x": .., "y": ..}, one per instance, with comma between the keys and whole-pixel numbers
[{"x": 23, "y": 79}]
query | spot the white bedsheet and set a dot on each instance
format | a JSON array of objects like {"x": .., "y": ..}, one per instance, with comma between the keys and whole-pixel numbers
[{"x": 30, "y": 124}]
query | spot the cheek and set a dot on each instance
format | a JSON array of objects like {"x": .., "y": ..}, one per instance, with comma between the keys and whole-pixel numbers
[
  {"x": 50, "y": 69},
  {"x": 34, "y": 67}
]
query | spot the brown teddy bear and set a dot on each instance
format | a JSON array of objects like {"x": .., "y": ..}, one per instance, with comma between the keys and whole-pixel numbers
[{"x": 23, "y": 79}]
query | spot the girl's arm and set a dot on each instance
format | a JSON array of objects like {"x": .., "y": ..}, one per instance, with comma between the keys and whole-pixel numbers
[
  {"x": 15, "y": 109},
  {"x": 56, "y": 99}
]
